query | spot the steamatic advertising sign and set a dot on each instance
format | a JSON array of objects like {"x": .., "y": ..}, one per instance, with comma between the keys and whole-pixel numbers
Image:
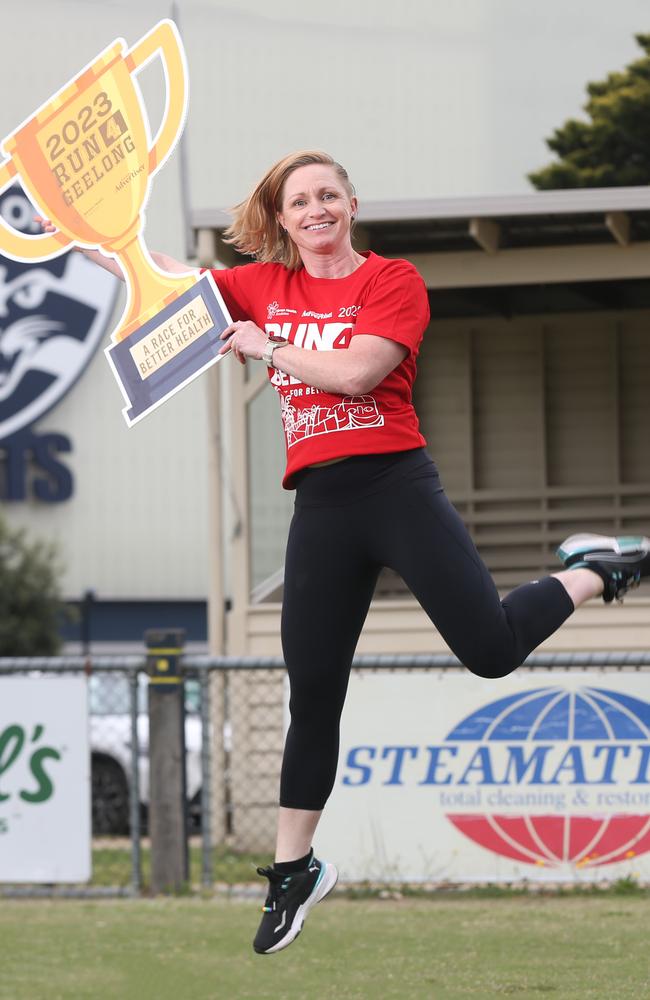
[
  {"x": 541, "y": 776},
  {"x": 44, "y": 780}
]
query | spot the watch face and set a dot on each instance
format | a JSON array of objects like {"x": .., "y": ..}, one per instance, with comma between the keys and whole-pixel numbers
[{"x": 275, "y": 339}]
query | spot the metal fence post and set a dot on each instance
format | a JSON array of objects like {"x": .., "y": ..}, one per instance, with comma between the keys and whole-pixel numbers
[
  {"x": 136, "y": 857},
  {"x": 167, "y": 779},
  {"x": 206, "y": 782}
]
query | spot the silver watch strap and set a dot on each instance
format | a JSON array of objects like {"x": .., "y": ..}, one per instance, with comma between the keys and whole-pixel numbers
[{"x": 269, "y": 348}]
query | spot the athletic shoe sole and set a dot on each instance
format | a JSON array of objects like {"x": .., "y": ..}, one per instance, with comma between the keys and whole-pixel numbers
[
  {"x": 326, "y": 882},
  {"x": 623, "y": 549}
]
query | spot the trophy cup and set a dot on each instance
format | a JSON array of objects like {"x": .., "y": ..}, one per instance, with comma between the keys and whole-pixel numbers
[{"x": 86, "y": 159}]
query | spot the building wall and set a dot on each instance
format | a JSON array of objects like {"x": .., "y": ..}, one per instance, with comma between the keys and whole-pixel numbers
[
  {"x": 541, "y": 427},
  {"x": 417, "y": 99}
]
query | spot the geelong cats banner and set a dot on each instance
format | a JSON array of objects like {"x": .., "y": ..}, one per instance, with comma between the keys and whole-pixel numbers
[{"x": 446, "y": 776}]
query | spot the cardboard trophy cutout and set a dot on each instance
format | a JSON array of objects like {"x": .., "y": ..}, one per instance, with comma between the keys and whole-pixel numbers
[{"x": 86, "y": 159}]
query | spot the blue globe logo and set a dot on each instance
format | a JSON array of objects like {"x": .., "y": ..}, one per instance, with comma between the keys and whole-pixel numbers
[{"x": 586, "y": 725}]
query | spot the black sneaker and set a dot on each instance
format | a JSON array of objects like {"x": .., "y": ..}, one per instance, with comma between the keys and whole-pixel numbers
[
  {"x": 290, "y": 899},
  {"x": 620, "y": 562}
]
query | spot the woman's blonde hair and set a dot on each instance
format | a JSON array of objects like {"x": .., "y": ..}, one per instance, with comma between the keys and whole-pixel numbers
[{"x": 255, "y": 228}]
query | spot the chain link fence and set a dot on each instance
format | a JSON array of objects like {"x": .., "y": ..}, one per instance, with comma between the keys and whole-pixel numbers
[{"x": 235, "y": 719}]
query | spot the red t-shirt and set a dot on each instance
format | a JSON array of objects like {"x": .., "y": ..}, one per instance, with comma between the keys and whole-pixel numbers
[{"x": 385, "y": 298}]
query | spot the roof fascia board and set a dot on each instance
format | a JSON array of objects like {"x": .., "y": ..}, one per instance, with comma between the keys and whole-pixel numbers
[
  {"x": 474, "y": 268},
  {"x": 575, "y": 201},
  {"x": 585, "y": 201}
]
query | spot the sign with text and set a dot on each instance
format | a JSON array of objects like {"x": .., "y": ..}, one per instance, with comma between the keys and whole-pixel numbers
[
  {"x": 86, "y": 158},
  {"x": 450, "y": 777},
  {"x": 45, "y": 810}
]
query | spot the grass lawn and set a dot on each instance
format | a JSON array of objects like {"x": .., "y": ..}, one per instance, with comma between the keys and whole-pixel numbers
[
  {"x": 112, "y": 864},
  {"x": 437, "y": 948}
]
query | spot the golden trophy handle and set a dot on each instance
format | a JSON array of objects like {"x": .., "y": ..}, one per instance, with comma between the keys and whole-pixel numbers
[
  {"x": 164, "y": 37},
  {"x": 23, "y": 247}
]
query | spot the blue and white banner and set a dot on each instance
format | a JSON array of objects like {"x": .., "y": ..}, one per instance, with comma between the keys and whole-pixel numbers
[
  {"x": 53, "y": 316},
  {"x": 449, "y": 777}
]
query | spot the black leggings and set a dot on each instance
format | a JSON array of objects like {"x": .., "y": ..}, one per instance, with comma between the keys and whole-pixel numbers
[{"x": 350, "y": 520}]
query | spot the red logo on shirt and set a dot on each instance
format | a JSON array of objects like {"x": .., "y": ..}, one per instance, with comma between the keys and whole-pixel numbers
[{"x": 274, "y": 309}]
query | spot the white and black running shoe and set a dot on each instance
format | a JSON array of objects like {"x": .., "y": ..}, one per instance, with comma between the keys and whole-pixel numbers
[
  {"x": 290, "y": 899},
  {"x": 620, "y": 562}
]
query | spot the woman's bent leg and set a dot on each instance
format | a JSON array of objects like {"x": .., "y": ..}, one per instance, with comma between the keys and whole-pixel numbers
[{"x": 433, "y": 552}]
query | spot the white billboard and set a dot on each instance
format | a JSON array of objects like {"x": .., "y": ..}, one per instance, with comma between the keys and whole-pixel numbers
[
  {"x": 44, "y": 780},
  {"x": 449, "y": 777}
]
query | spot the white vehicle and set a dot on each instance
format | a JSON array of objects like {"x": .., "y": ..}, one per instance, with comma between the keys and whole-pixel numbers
[{"x": 110, "y": 742}]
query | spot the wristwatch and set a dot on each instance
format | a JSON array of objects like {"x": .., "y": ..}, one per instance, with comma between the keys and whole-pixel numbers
[{"x": 272, "y": 343}]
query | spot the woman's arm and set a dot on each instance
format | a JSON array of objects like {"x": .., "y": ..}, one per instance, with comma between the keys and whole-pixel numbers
[
  {"x": 351, "y": 372},
  {"x": 164, "y": 262}
]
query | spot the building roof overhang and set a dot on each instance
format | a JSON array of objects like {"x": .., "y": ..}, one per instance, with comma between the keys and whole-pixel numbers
[
  {"x": 540, "y": 238},
  {"x": 493, "y": 222}
]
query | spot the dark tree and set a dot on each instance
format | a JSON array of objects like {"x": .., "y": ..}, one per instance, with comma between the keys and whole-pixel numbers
[
  {"x": 31, "y": 608},
  {"x": 612, "y": 149}
]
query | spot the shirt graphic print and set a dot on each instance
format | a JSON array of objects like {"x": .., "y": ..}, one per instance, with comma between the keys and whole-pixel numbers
[{"x": 301, "y": 422}]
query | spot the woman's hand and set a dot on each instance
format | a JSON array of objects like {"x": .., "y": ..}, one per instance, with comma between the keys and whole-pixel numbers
[
  {"x": 245, "y": 340},
  {"x": 48, "y": 227},
  {"x": 45, "y": 224},
  {"x": 96, "y": 256}
]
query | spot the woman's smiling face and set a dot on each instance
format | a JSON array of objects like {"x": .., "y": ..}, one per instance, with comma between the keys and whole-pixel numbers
[{"x": 317, "y": 208}]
